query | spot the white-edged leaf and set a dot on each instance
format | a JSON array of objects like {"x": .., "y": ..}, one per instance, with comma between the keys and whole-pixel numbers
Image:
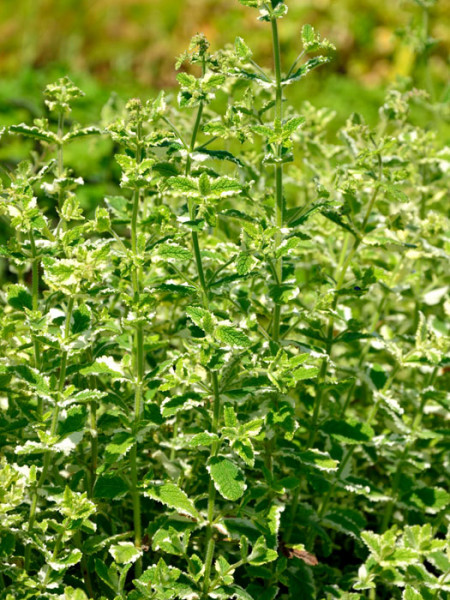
[
  {"x": 125, "y": 553},
  {"x": 173, "y": 497},
  {"x": 227, "y": 477},
  {"x": 205, "y": 438}
]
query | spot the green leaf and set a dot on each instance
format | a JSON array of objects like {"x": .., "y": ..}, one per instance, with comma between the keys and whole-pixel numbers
[
  {"x": 305, "y": 373},
  {"x": 308, "y": 35},
  {"x": 81, "y": 132},
  {"x": 186, "y": 80},
  {"x": 429, "y": 499},
  {"x": 185, "y": 185},
  {"x": 107, "y": 575},
  {"x": 81, "y": 319},
  {"x": 242, "y": 50},
  {"x": 74, "y": 420},
  {"x": 232, "y": 336},
  {"x": 102, "y": 222},
  {"x": 212, "y": 80},
  {"x": 245, "y": 263},
  {"x": 309, "y": 66},
  {"x": 227, "y": 477},
  {"x": 223, "y": 187},
  {"x": 119, "y": 207},
  {"x": 173, "y": 251},
  {"x": 19, "y": 297},
  {"x": 410, "y": 593},
  {"x": 201, "y": 317},
  {"x": 204, "y": 185},
  {"x": 110, "y": 486},
  {"x": 394, "y": 193},
  {"x": 253, "y": 427},
  {"x": 119, "y": 446},
  {"x": 244, "y": 449},
  {"x": 173, "y": 497},
  {"x": 74, "y": 594},
  {"x": 172, "y": 405},
  {"x": 261, "y": 554},
  {"x": 34, "y": 132},
  {"x": 219, "y": 154},
  {"x": 311, "y": 40},
  {"x": 291, "y": 126},
  {"x": 203, "y": 439},
  {"x": 232, "y": 591},
  {"x": 349, "y": 432},
  {"x": 71, "y": 559},
  {"x": 318, "y": 460},
  {"x": 229, "y": 416},
  {"x": 125, "y": 553},
  {"x": 105, "y": 365},
  {"x": 348, "y": 521}
]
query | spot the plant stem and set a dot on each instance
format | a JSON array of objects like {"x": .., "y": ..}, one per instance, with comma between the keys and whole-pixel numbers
[
  {"x": 138, "y": 364},
  {"x": 54, "y": 424},
  {"x": 94, "y": 435},
  {"x": 211, "y": 489},
  {"x": 60, "y": 161},
  {"x": 192, "y": 209},
  {"x": 55, "y": 556},
  {"x": 279, "y": 202},
  {"x": 35, "y": 306},
  {"x": 210, "y": 544}
]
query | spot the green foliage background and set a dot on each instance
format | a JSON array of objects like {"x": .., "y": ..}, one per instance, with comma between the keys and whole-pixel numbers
[{"x": 130, "y": 45}]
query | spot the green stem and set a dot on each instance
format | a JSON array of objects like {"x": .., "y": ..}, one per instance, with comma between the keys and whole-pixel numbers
[
  {"x": 35, "y": 306},
  {"x": 198, "y": 260},
  {"x": 94, "y": 437},
  {"x": 55, "y": 556},
  {"x": 279, "y": 202},
  {"x": 54, "y": 424},
  {"x": 134, "y": 241},
  {"x": 138, "y": 407},
  {"x": 194, "y": 137},
  {"x": 210, "y": 544},
  {"x": 138, "y": 364},
  {"x": 60, "y": 157},
  {"x": 192, "y": 208}
]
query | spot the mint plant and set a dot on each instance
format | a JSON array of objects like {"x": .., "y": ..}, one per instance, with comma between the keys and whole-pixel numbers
[{"x": 229, "y": 380}]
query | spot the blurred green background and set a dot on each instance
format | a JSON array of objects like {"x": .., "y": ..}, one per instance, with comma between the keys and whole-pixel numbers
[{"x": 130, "y": 46}]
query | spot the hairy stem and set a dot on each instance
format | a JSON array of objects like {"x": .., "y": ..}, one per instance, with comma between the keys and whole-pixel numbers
[
  {"x": 93, "y": 434},
  {"x": 279, "y": 201},
  {"x": 210, "y": 544},
  {"x": 211, "y": 489},
  {"x": 60, "y": 160},
  {"x": 138, "y": 364},
  {"x": 35, "y": 306}
]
